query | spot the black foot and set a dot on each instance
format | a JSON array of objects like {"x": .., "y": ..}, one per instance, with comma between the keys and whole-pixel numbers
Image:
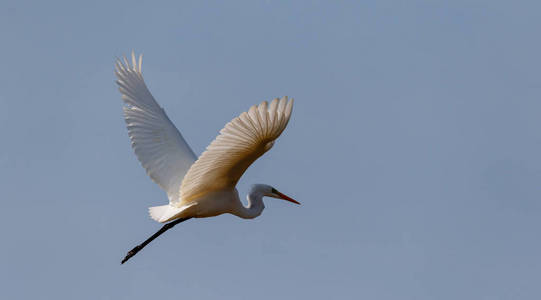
[{"x": 131, "y": 253}]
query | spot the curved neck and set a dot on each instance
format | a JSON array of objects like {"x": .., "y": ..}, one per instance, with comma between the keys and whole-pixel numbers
[{"x": 254, "y": 208}]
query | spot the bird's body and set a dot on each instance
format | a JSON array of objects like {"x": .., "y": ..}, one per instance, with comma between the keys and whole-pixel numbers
[
  {"x": 210, "y": 204},
  {"x": 204, "y": 186},
  {"x": 225, "y": 201}
]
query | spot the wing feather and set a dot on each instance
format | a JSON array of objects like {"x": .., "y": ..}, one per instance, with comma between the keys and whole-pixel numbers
[
  {"x": 238, "y": 145},
  {"x": 157, "y": 143}
]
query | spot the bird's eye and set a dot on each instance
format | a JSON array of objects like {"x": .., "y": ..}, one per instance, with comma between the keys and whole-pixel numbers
[{"x": 274, "y": 191}]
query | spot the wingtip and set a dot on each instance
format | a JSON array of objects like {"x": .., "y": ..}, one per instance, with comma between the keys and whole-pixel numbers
[{"x": 123, "y": 65}]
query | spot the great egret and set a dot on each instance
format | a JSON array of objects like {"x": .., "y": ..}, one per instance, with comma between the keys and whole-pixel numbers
[{"x": 205, "y": 186}]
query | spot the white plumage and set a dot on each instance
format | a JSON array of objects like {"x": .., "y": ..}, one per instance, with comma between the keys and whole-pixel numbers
[
  {"x": 158, "y": 144},
  {"x": 205, "y": 186}
]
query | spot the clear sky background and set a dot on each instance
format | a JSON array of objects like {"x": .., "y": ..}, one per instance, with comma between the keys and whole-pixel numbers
[{"x": 414, "y": 147}]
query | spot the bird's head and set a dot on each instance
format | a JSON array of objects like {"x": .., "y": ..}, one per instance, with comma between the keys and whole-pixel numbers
[{"x": 269, "y": 191}]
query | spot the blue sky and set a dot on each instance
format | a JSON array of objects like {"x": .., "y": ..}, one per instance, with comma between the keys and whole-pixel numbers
[{"x": 414, "y": 147}]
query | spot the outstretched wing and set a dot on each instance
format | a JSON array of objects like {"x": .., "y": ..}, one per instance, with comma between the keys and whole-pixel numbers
[
  {"x": 158, "y": 144},
  {"x": 238, "y": 145}
]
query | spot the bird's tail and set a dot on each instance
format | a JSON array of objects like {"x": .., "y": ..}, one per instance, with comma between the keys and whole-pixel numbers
[{"x": 166, "y": 213}]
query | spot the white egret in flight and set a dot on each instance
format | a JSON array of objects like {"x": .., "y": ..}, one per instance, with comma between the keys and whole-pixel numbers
[{"x": 205, "y": 186}]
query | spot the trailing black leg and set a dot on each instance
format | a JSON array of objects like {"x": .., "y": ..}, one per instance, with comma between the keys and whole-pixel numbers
[{"x": 165, "y": 227}]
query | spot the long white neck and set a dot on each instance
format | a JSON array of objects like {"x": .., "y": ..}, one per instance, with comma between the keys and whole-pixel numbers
[{"x": 255, "y": 205}]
